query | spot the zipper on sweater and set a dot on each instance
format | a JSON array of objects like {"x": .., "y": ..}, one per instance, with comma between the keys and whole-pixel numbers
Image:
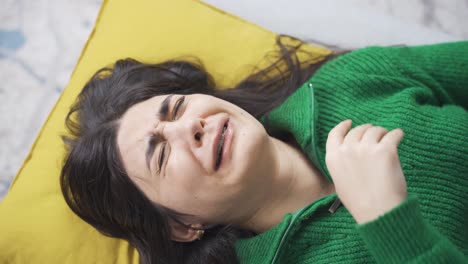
[
  {"x": 293, "y": 220},
  {"x": 336, "y": 204}
]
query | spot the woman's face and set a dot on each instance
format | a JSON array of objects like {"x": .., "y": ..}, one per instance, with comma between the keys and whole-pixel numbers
[{"x": 174, "y": 149}]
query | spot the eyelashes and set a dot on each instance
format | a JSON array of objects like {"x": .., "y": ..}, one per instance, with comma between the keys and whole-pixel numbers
[
  {"x": 162, "y": 154},
  {"x": 177, "y": 106}
]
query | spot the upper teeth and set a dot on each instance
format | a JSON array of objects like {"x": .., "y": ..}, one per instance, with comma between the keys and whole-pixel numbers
[{"x": 220, "y": 147}]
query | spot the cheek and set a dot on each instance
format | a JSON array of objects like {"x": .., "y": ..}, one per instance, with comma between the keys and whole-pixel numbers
[
  {"x": 187, "y": 190},
  {"x": 180, "y": 185}
]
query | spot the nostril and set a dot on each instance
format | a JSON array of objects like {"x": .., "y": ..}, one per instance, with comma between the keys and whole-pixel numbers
[{"x": 197, "y": 136}]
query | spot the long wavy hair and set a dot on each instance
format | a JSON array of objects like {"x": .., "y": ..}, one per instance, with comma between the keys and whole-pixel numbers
[{"x": 93, "y": 180}]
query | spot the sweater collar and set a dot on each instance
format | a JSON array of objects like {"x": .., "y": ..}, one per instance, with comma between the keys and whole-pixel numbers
[
  {"x": 298, "y": 115},
  {"x": 265, "y": 247}
]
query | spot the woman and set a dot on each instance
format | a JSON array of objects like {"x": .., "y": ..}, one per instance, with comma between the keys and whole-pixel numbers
[{"x": 190, "y": 174}]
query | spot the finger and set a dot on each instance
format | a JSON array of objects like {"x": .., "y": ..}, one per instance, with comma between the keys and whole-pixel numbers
[
  {"x": 356, "y": 133},
  {"x": 393, "y": 137},
  {"x": 374, "y": 134},
  {"x": 337, "y": 134}
]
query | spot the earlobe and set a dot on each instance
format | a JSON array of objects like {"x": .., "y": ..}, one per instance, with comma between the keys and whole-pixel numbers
[{"x": 182, "y": 233}]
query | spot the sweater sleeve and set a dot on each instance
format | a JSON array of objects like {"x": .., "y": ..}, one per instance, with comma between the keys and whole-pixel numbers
[
  {"x": 403, "y": 88},
  {"x": 446, "y": 64},
  {"x": 402, "y": 236}
]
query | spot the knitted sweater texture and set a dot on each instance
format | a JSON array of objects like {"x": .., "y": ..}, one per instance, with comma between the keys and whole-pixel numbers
[{"x": 422, "y": 90}]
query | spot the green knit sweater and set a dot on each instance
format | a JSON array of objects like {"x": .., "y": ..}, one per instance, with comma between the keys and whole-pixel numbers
[{"x": 424, "y": 91}]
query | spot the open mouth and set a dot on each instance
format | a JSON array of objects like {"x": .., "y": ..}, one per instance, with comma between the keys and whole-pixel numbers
[{"x": 219, "y": 149}]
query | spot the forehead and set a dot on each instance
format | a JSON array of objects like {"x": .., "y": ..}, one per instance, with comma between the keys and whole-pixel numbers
[{"x": 136, "y": 125}]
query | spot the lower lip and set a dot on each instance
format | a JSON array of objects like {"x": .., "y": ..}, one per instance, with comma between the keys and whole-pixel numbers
[{"x": 228, "y": 137}]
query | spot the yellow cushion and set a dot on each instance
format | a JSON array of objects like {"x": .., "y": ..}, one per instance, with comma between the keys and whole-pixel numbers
[{"x": 36, "y": 225}]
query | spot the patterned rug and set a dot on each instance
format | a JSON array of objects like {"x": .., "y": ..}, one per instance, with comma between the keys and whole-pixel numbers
[{"x": 40, "y": 42}]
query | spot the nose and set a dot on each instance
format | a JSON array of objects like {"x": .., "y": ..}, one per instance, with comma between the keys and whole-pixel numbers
[{"x": 187, "y": 129}]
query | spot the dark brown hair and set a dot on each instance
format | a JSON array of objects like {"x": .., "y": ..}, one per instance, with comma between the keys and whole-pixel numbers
[{"x": 93, "y": 180}]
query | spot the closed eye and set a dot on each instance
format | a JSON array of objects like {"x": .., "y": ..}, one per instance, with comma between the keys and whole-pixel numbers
[
  {"x": 177, "y": 106},
  {"x": 162, "y": 154}
]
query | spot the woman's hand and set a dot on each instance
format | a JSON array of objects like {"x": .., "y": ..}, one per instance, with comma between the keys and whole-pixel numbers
[{"x": 365, "y": 169}]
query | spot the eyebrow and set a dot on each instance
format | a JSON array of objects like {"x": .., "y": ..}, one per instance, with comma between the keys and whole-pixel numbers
[{"x": 155, "y": 139}]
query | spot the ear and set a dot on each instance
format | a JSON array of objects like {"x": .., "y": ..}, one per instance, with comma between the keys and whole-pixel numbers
[{"x": 181, "y": 233}]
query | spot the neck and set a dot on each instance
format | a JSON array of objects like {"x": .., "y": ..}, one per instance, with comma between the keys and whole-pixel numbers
[{"x": 297, "y": 183}]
